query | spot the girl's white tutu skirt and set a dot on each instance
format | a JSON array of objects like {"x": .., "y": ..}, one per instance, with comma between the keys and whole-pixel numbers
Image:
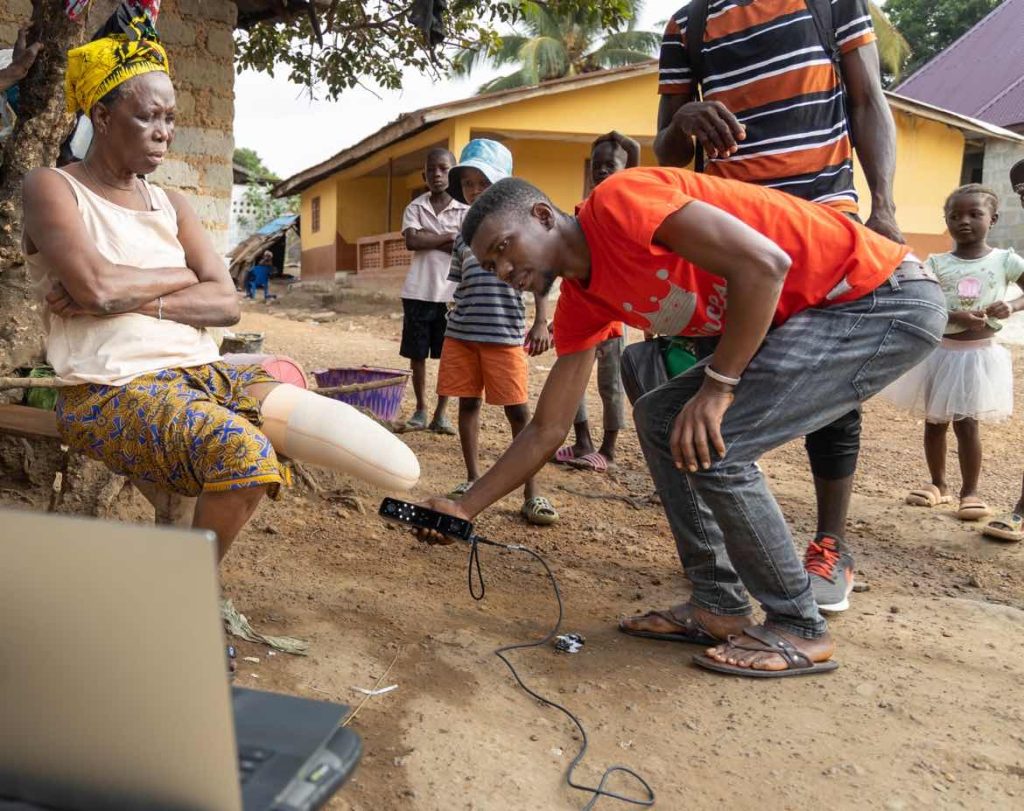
[{"x": 960, "y": 379}]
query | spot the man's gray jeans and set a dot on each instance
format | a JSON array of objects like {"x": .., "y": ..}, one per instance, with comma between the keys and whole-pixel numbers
[{"x": 729, "y": 530}]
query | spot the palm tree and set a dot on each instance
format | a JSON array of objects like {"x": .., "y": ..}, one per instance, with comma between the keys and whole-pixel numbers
[
  {"x": 550, "y": 47},
  {"x": 547, "y": 46},
  {"x": 893, "y": 49}
]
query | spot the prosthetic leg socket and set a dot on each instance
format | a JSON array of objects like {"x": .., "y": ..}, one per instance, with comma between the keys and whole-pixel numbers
[{"x": 324, "y": 432}]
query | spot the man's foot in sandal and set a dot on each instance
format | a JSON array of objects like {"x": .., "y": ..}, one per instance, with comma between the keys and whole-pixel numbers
[
  {"x": 763, "y": 653},
  {"x": 1009, "y": 528},
  {"x": 595, "y": 461},
  {"x": 972, "y": 508},
  {"x": 680, "y": 623},
  {"x": 539, "y": 511},
  {"x": 928, "y": 496}
]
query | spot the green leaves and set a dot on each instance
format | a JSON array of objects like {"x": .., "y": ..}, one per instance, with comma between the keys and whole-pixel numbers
[
  {"x": 548, "y": 44},
  {"x": 929, "y": 26},
  {"x": 375, "y": 41}
]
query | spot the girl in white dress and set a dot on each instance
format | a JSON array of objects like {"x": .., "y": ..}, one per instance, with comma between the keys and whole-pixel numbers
[{"x": 969, "y": 377}]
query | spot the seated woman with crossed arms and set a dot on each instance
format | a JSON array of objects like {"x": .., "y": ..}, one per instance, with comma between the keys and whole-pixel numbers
[{"x": 131, "y": 283}]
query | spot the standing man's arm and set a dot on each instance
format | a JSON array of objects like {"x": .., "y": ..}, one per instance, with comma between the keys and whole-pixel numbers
[{"x": 874, "y": 135}]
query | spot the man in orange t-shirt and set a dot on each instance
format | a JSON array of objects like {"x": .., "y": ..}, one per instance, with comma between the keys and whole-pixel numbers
[{"x": 816, "y": 314}]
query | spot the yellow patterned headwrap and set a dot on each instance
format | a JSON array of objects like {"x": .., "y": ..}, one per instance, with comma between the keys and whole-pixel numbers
[{"x": 99, "y": 66}]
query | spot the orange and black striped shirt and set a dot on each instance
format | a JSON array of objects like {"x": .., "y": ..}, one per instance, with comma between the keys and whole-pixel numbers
[{"x": 764, "y": 60}]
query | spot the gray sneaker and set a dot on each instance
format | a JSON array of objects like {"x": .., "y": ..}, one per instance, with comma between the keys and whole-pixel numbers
[{"x": 831, "y": 571}]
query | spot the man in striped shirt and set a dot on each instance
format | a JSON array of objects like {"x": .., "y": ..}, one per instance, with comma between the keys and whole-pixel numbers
[{"x": 776, "y": 109}]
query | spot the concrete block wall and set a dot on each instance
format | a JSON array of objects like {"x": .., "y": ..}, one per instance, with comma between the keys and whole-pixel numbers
[
  {"x": 198, "y": 35},
  {"x": 999, "y": 157}
]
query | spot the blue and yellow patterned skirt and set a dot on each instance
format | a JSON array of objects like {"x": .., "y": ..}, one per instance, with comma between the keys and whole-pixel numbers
[{"x": 189, "y": 430}]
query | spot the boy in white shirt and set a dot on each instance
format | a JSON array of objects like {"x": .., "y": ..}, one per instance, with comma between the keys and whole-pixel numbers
[{"x": 429, "y": 225}]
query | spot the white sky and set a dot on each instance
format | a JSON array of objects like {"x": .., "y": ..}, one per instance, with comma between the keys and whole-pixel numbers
[{"x": 290, "y": 132}]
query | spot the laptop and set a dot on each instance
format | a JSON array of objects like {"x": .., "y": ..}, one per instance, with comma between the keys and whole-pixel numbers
[{"x": 114, "y": 690}]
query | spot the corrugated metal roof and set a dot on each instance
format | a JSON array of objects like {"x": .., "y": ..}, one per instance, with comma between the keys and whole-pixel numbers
[
  {"x": 980, "y": 74},
  {"x": 280, "y": 224}
]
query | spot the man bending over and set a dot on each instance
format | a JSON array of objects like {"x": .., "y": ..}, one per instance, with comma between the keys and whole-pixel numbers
[{"x": 816, "y": 314}]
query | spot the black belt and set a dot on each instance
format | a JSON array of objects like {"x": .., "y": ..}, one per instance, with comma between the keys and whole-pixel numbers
[{"x": 912, "y": 271}]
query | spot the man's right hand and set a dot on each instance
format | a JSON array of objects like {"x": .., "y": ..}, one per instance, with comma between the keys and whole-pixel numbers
[
  {"x": 448, "y": 507},
  {"x": 711, "y": 123}
]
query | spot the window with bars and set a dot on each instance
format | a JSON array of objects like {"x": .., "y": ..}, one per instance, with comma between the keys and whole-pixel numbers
[{"x": 315, "y": 214}]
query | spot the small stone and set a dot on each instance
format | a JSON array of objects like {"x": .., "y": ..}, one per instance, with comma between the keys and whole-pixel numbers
[
  {"x": 859, "y": 588},
  {"x": 535, "y": 737},
  {"x": 975, "y": 582},
  {"x": 865, "y": 689},
  {"x": 950, "y": 777},
  {"x": 894, "y": 609}
]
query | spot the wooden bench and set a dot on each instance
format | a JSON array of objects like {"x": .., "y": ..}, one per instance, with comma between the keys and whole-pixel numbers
[{"x": 34, "y": 423}]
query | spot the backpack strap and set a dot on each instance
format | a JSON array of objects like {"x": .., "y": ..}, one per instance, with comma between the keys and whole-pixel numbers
[
  {"x": 821, "y": 11},
  {"x": 696, "y": 21}
]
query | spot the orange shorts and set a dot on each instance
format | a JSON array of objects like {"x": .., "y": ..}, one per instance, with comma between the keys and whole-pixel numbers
[{"x": 496, "y": 372}]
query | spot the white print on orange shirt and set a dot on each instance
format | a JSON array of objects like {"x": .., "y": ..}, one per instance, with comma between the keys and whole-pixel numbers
[{"x": 674, "y": 310}]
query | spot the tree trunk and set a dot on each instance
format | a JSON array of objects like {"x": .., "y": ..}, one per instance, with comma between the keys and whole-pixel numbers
[{"x": 41, "y": 127}]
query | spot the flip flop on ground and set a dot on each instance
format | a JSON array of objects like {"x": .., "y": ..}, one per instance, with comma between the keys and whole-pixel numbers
[
  {"x": 758, "y": 639},
  {"x": 564, "y": 455},
  {"x": 459, "y": 490},
  {"x": 417, "y": 422},
  {"x": 927, "y": 496},
  {"x": 972, "y": 508},
  {"x": 539, "y": 511},
  {"x": 442, "y": 426},
  {"x": 1009, "y": 527},
  {"x": 678, "y": 622},
  {"x": 595, "y": 461}
]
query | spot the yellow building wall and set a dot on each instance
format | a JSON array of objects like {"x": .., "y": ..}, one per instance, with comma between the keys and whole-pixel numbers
[
  {"x": 556, "y": 167},
  {"x": 326, "y": 190},
  {"x": 629, "y": 106},
  {"x": 362, "y": 207},
  {"x": 929, "y": 159}
]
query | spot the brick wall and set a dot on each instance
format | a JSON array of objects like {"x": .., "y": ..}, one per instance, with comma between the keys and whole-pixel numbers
[{"x": 199, "y": 41}]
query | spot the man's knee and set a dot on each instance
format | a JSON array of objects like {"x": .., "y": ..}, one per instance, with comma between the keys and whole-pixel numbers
[{"x": 833, "y": 450}]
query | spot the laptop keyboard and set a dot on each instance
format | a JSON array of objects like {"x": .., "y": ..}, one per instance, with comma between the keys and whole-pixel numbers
[{"x": 250, "y": 760}]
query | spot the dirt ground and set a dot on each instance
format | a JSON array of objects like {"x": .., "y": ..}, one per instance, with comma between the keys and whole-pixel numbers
[{"x": 926, "y": 710}]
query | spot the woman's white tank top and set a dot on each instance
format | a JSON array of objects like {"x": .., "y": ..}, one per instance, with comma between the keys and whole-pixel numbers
[{"x": 115, "y": 349}]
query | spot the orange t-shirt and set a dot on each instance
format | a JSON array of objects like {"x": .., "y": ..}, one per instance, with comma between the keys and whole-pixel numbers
[{"x": 649, "y": 287}]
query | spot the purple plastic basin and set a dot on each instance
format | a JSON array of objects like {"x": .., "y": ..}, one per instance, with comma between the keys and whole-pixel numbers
[{"x": 383, "y": 402}]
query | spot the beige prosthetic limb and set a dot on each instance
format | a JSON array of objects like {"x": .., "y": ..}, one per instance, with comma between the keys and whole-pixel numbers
[{"x": 324, "y": 432}]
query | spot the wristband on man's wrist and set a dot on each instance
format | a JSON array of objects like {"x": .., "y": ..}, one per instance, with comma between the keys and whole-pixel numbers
[{"x": 720, "y": 378}]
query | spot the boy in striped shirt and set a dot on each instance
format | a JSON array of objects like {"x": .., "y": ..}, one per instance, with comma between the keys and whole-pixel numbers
[{"x": 484, "y": 354}]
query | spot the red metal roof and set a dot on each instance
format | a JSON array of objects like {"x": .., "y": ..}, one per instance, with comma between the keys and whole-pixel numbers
[{"x": 980, "y": 74}]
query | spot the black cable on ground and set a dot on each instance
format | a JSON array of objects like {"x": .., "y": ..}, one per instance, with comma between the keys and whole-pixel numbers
[{"x": 599, "y": 790}]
